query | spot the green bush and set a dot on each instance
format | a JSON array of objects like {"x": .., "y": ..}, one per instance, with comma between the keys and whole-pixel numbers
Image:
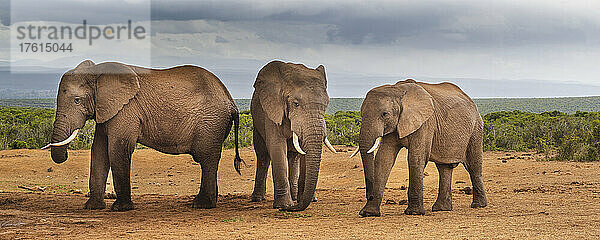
[
  {"x": 343, "y": 127},
  {"x": 245, "y": 132},
  {"x": 25, "y": 127},
  {"x": 573, "y": 137}
]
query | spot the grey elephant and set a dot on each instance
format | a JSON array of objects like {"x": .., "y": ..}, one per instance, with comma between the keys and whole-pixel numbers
[
  {"x": 184, "y": 109},
  {"x": 435, "y": 122},
  {"x": 288, "y": 112}
]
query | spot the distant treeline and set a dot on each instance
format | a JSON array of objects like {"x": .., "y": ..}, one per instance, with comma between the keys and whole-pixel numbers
[
  {"x": 568, "y": 105},
  {"x": 571, "y": 137}
]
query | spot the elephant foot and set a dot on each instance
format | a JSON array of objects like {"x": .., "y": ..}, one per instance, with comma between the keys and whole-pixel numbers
[
  {"x": 257, "y": 197},
  {"x": 438, "y": 206},
  {"x": 479, "y": 203},
  {"x": 94, "y": 204},
  {"x": 122, "y": 206},
  {"x": 414, "y": 211},
  {"x": 203, "y": 202},
  {"x": 283, "y": 203},
  {"x": 368, "y": 211},
  {"x": 294, "y": 193}
]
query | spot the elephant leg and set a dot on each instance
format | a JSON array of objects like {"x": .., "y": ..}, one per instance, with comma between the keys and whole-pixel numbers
[
  {"x": 418, "y": 152},
  {"x": 209, "y": 162},
  {"x": 120, "y": 150},
  {"x": 98, "y": 170},
  {"x": 262, "y": 166},
  {"x": 293, "y": 174},
  {"x": 277, "y": 148},
  {"x": 444, "y": 199},
  {"x": 384, "y": 161},
  {"x": 473, "y": 164}
]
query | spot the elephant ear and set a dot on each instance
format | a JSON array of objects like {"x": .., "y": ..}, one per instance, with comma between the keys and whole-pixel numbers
[
  {"x": 268, "y": 88},
  {"x": 115, "y": 86},
  {"x": 417, "y": 107},
  {"x": 321, "y": 69},
  {"x": 85, "y": 64}
]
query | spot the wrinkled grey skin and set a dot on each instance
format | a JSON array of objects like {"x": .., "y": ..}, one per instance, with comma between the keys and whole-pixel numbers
[
  {"x": 289, "y": 98},
  {"x": 436, "y": 122},
  {"x": 184, "y": 109}
]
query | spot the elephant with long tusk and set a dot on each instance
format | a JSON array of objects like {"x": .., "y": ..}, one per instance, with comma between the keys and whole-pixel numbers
[
  {"x": 288, "y": 112},
  {"x": 181, "y": 110}
]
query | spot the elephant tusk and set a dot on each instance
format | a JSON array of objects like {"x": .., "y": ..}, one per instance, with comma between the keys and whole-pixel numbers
[
  {"x": 355, "y": 152},
  {"x": 328, "y": 144},
  {"x": 375, "y": 146},
  {"x": 64, "y": 142},
  {"x": 297, "y": 144}
]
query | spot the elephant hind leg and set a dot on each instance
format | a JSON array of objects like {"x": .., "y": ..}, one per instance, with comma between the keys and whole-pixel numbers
[
  {"x": 444, "y": 199},
  {"x": 262, "y": 167},
  {"x": 473, "y": 164},
  {"x": 209, "y": 162}
]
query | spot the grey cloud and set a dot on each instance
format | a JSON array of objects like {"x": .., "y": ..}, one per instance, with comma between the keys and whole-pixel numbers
[
  {"x": 220, "y": 39},
  {"x": 428, "y": 24},
  {"x": 5, "y": 12},
  {"x": 74, "y": 11}
]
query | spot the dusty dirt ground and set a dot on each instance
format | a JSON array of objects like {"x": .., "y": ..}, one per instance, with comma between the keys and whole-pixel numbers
[{"x": 527, "y": 199}]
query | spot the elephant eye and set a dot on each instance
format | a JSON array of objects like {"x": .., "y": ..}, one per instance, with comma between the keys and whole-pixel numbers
[
  {"x": 77, "y": 100},
  {"x": 384, "y": 114},
  {"x": 296, "y": 104}
]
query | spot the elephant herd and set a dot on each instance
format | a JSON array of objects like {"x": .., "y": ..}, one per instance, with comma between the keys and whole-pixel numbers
[{"x": 188, "y": 110}]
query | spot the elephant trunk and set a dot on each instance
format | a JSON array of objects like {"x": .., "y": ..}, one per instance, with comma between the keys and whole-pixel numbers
[
  {"x": 368, "y": 138},
  {"x": 313, "y": 145},
  {"x": 61, "y": 133}
]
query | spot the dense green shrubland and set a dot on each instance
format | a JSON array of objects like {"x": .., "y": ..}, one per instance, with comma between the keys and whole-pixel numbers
[{"x": 571, "y": 137}]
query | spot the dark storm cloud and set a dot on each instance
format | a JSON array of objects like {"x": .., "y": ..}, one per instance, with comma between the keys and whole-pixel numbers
[{"x": 417, "y": 24}]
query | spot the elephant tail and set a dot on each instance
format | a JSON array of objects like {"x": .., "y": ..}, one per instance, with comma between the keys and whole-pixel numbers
[{"x": 237, "y": 161}]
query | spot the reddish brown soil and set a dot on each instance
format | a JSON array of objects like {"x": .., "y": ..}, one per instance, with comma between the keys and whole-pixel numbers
[{"x": 527, "y": 199}]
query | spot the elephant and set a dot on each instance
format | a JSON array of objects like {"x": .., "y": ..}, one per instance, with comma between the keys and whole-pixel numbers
[
  {"x": 180, "y": 110},
  {"x": 435, "y": 122},
  {"x": 288, "y": 111}
]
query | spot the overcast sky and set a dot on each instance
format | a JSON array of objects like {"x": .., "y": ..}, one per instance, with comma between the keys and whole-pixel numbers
[{"x": 363, "y": 44}]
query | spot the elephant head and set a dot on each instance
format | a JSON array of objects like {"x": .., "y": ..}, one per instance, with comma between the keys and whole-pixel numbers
[
  {"x": 390, "y": 109},
  {"x": 89, "y": 91},
  {"x": 295, "y": 97}
]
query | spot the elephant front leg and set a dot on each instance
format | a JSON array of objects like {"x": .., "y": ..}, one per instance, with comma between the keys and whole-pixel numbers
[
  {"x": 282, "y": 194},
  {"x": 416, "y": 166},
  {"x": 98, "y": 170},
  {"x": 384, "y": 161},
  {"x": 120, "y": 163},
  {"x": 277, "y": 148}
]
